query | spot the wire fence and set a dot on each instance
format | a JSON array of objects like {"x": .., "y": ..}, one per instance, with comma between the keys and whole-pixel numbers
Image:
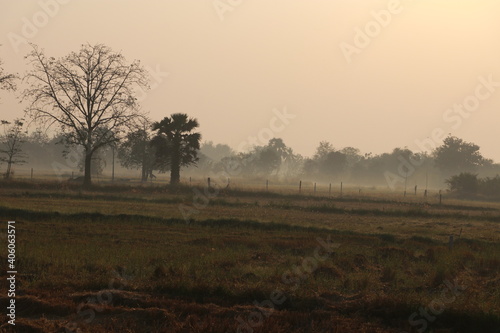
[{"x": 295, "y": 186}]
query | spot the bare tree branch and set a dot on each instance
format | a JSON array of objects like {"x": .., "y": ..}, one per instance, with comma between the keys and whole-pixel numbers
[
  {"x": 89, "y": 94},
  {"x": 7, "y": 81}
]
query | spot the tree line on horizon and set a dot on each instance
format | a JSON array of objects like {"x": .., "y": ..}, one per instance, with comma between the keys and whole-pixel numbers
[
  {"x": 274, "y": 161},
  {"x": 90, "y": 97}
]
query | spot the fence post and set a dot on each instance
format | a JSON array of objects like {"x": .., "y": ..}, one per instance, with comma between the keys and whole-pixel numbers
[
  {"x": 208, "y": 181},
  {"x": 340, "y": 188},
  {"x": 31, "y": 173},
  {"x": 330, "y": 190},
  {"x": 300, "y": 186}
]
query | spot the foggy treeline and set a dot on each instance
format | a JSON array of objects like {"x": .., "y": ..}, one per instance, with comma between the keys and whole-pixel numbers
[
  {"x": 109, "y": 135},
  {"x": 274, "y": 161}
]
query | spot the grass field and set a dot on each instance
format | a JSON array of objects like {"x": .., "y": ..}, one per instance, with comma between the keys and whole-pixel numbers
[{"x": 157, "y": 259}]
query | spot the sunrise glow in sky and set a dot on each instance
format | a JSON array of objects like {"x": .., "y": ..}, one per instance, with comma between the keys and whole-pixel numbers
[{"x": 369, "y": 74}]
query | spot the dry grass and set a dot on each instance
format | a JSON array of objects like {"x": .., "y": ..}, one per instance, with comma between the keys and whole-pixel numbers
[{"x": 139, "y": 267}]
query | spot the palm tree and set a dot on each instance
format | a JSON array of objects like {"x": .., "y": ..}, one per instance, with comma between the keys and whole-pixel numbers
[{"x": 176, "y": 144}]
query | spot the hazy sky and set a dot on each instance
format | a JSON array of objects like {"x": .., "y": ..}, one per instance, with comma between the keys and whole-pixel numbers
[{"x": 370, "y": 74}]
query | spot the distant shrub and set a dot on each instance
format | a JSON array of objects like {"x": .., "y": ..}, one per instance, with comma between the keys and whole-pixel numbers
[
  {"x": 464, "y": 183},
  {"x": 469, "y": 184},
  {"x": 490, "y": 187}
]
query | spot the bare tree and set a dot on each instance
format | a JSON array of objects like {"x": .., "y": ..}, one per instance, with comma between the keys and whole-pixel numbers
[
  {"x": 89, "y": 94},
  {"x": 7, "y": 81},
  {"x": 11, "y": 141}
]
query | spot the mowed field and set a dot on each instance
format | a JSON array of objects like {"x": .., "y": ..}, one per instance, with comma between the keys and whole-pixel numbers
[{"x": 158, "y": 259}]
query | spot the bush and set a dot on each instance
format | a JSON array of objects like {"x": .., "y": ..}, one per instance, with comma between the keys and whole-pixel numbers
[
  {"x": 468, "y": 184},
  {"x": 490, "y": 187},
  {"x": 464, "y": 183}
]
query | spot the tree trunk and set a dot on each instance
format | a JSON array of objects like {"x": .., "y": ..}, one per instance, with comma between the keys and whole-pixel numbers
[
  {"x": 175, "y": 162},
  {"x": 175, "y": 168},
  {"x": 175, "y": 176},
  {"x": 144, "y": 167},
  {"x": 87, "y": 180},
  {"x": 144, "y": 174},
  {"x": 9, "y": 167}
]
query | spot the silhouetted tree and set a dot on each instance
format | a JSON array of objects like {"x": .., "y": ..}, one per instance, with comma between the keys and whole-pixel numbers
[
  {"x": 11, "y": 141},
  {"x": 353, "y": 155},
  {"x": 455, "y": 155},
  {"x": 323, "y": 149},
  {"x": 490, "y": 186},
  {"x": 90, "y": 94},
  {"x": 268, "y": 160},
  {"x": 277, "y": 145},
  {"x": 333, "y": 164},
  {"x": 176, "y": 144},
  {"x": 273, "y": 159},
  {"x": 137, "y": 152},
  {"x": 290, "y": 163},
  {"x": 216, "y": 152},
  {"x": 326, "y": 162}
]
